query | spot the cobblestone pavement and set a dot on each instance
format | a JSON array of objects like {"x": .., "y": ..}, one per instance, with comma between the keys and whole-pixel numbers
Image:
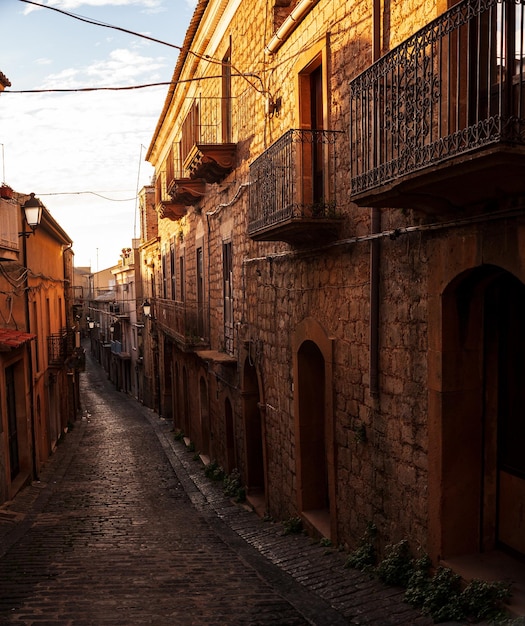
[{"x": 123, "y": 528}]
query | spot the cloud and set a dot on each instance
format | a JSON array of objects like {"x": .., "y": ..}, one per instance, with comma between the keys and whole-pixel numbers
[
  {"x": 71, "y": 142},
  {"x": 123, "y": 67},
  {"x": 71, "y": 5}
]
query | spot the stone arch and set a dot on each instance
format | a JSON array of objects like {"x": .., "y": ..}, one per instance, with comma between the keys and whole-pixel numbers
[
  {"x": 254, "y": 436},
  {"x": 314, "y": 429},
  {"x": 186, "y": 424},
  {"x": 475, "y": 401},
  {"x": 204, "y": 411},
  {"x": 229, "y": 429}
]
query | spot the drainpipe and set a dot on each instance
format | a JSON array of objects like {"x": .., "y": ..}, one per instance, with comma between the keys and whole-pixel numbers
[
  {"x": 290, "y": 23},
  {"x": 375, "y": 221},
  {"x": 375, "y": 227},
  {"x": 29, "y": 354}
]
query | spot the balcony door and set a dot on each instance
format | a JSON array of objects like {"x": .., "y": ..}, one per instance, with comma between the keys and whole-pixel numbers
[
  {"x": 227, "y": 264},
  {"x": 200, "y": 292},
  {"x": 312, "y": 117}
]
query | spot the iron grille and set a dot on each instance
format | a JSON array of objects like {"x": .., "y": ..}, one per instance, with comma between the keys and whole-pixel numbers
[
  {"x": 294, "y": 179},
  {"x": 455, "y": 86},
  {"x": 59, "y": 347},
  {"x": 186, "y": 321}
]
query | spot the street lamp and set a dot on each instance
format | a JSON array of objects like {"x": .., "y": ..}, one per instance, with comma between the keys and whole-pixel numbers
[
  {"x": 33, "y": 214},
  {"x": 146, "y": 308}
]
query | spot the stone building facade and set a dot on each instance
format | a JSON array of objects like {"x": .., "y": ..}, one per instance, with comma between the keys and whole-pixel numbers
[{"x": 340, "y": 196}]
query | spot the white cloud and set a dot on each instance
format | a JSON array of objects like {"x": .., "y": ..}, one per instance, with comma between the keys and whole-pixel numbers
[
  {"x": 58, "y": 143},
  {"x": 70, "y": 5},
  {"x": 123, "y": 67}
]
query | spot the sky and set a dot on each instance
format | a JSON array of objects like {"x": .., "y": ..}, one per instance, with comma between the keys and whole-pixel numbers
[{"x": 83, "y": 154}]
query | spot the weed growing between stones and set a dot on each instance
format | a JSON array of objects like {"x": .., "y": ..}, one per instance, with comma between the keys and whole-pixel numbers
[
  {"x": 365, "y": 555},
  {"x": 439, "y": 594},
  {"x": 214, "y": 471},
  {"x": 293, "y": 526},
  {"x": 233, "y": 487},
  {"x": 179, "y": 435},
  {"x": 397, "y": 567}
]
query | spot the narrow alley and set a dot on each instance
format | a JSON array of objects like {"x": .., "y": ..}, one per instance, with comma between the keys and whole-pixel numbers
[{"x": 117, "y": 531}]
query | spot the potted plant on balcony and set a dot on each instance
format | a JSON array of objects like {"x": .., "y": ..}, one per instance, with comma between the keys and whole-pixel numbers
[{"x": 6, "y": 192}]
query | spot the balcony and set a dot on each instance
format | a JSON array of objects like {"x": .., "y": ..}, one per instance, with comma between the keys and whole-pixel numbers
[
  {"x": 185, "y": 192},
  {"x": 293, "y": 190},
  {"x": 60, "y": 346},
  {"x": 169, "y": 205},
  {"x": 206, "y": 149},
  {"x": 439, "y": 122},
  {"x": 186, "y": 322},
  {"x": 9, "y": 241}
]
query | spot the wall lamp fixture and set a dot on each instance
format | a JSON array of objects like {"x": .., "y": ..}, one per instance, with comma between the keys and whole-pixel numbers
[
  {"x": 146, "y": 308},
  {"x": 33, "y": 214}
]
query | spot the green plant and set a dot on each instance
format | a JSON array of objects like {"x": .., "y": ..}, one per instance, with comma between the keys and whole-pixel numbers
[
  {"x": 440, "y": 596},
  {"x": 232, "y": 486},
  {"x": 397, "y": 567},
  {"x": 364, "y": 556},
  {"x": 485, "y": 600},
  {"x": 179, "y": 436},
  {"x": 214, "y": 471},
  {"x": 190, "y": 447},
  {"x": 293, "y": 526},
  {"x": 442, "y": 602},
  {"x": 419, "y": 582},
  {"x": 325, "y": 542}
]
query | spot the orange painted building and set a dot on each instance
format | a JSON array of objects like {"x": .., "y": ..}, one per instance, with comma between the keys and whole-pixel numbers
[{"x": 39, "y": 354}]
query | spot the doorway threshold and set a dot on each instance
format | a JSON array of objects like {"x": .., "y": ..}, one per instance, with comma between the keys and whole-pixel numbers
[
  {"x": 257, "y": 501},
  {"x": 319, "y": 521},
  {"x": 494, "y": 566}
]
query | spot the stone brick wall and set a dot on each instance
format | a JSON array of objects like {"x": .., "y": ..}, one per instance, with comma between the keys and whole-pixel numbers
[{"x": 380, "y": 442}]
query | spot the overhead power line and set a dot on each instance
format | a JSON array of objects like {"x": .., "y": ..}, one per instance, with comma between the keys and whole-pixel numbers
[
  {"x": 204, "y": 57},
  {"x": 125, "y": 88}
]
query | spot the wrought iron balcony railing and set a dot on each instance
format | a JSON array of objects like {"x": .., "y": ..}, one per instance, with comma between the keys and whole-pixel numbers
[
  {"x": 60, "y": 346},
  {"x": 206, "y": 149},
  {"x": 293, "y": 187},
  {"x": 186, "y": 322},
  {"x": 455, "y": 87}
]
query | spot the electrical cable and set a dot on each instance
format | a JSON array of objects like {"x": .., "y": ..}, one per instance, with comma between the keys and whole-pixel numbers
[{"x": 202, "y": 57}]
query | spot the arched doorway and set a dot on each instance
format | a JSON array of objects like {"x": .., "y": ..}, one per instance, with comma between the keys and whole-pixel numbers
[
  {"x": 313, "y": 494},
  {"x": 230, "y": 436},
  {"x": 253, "y": 433},
  {"x": 205, "y": 417},
  {"x": 313, "y": 407},
  {"x": 480, "y": 425},
  {"x": 186, "y": 425}
]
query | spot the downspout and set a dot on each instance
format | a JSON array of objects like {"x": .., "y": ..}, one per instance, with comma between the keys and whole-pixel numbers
[
  {"x": 375, "y": 227},
  {"x": 207, "y": 289},
  {"x": 289, "y": 25},
  {"x": 29, "y": 354}
]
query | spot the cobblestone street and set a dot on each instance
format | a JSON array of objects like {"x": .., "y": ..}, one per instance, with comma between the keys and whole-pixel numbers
[{"x": 123, "y": 528}]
